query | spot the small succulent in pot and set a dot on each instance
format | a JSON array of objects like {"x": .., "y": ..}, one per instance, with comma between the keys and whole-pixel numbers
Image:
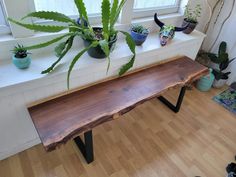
[
  {"x": 139, "y": 34},
  {"x": 191, "y": 18},
  {"x": 20, "y": 57}
]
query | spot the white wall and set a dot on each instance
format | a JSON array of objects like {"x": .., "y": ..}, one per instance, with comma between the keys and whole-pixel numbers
[{"x": 222, "y": 27}]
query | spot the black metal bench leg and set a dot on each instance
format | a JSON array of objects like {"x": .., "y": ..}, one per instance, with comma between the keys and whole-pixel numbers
[
  {"x": 86, "y": 147},
  {"x": 176, "y": 107}
]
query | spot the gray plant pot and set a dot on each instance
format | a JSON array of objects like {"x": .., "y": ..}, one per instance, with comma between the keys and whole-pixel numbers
[
  {"x": 219, "y": 83},
  {"x": 191, "y": 26}
]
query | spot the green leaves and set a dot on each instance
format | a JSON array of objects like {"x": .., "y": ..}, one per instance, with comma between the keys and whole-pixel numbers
[
  {"x": 130, "y": 42},
  {"x": 117, "y": 13},
  {"x": 82, "y": 10},
  {"x": 47, "y": 15},
  {"x": 45, "y": 44},
  {"x": 105, "y": 47},
  {"x": 42, "y": 28},
  {"x": 60, "y": 48},
  {"x": 127, "y": 66},
  {"x": 76, "y": 58},
  {"x": 69, "y": 44},
  {"x": 222, "y": 48},
  {"x": 106, "y": 18},
  {"x": 113, "y": 13},
  {"x": 131, "y": 45}
]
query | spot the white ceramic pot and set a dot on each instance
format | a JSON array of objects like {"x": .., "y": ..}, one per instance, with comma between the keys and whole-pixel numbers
[
  {"x": 219, "y": 83},
  {"x": 214, "y": 66}
]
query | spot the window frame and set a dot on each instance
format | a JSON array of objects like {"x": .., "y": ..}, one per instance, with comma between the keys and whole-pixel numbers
[
  {"x": 127, "y": 15},
  {"x": 4, "y": 29},
  {"x": 148, "y": 12}
]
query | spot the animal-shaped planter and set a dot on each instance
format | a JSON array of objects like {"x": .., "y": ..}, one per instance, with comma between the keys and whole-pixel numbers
[{"x": 167, "y": 32}]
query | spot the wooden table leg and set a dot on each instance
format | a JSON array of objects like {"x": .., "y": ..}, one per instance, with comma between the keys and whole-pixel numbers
[
  {"x": 86, "y": 147},
  {"x": 176, "y": 107}
]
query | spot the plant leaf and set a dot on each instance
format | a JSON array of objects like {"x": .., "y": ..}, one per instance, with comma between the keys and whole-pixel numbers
[
  {"x": 130, "y": 42},
  {"x": 76, "y": 58},
  {"x": 132, "y": 46},
  {"x": 60, "y": 48},
  {"x": 42, "y": 28},
  {"x": 113, "y": 12},
  {"x": 105, "y": 47},
  {"x": 47, "y": 43},
  {"x": 217, "y": 74},
  {"x": 48, "y": 15},
  {"x": 223, "y": 58},
  {"x": 69, "y": 45},
  {"x": 81, "y": 9},
  {"x": 222, "y": 48},
  {"x": 213, "y": 57},
  {"x": 127, "y": 66},
  {"x": 122, "y": 3},
  {"x": 105, "y": 18}
]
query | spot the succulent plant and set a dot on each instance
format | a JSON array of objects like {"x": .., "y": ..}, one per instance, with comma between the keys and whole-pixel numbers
[
  {"x": 139, "y": 29},
  {"x": 192, "y": 15},
  {"x": 20, "y": 51}
]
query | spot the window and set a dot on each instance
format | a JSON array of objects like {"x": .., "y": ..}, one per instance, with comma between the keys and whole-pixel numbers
[
  {"x": 144, "y": 8},
  {"x": 67, "y": 6},
  {"x": 4, "y": 28},
  {"x": 132, "y": 9}
]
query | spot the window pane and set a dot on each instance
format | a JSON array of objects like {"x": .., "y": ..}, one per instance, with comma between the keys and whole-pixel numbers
[
  {"x": 142, "y": 4},
  {"x": 67, "y": 6},
  {"x": 2, "y": 17}
]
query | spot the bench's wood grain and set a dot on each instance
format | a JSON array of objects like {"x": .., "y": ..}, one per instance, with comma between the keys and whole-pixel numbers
[{"x": 62, "y": 118}]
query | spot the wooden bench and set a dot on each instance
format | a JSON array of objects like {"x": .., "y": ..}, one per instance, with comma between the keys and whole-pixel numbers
[{"x": 62, "y": 118}]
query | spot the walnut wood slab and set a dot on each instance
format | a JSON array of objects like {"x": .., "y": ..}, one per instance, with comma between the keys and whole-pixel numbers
[{"x": 60, "y": 119}]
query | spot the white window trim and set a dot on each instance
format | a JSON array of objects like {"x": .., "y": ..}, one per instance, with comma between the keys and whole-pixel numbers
[
  {"x": 4, "y": 29},
  {"x": 126, "y": 17},
  {"x": 147, "y": 12}
]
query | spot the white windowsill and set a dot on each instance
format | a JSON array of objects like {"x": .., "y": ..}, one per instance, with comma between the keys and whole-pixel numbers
[{"x": 10, "y": 76}]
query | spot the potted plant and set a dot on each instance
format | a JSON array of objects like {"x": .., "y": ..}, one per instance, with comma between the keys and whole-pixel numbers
[
  {"x": 204, "y": 84},
  {"x": 20, "y": 57},
  {"x": 139, "y": 34},
  {"x": 191, "y": 17},
  {"x": 219, "y": 64},
  {"x": 99, "y": 42}
]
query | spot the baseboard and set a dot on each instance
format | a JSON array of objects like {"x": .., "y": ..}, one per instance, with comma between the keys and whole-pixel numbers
[{"x": 13, "y": 151}]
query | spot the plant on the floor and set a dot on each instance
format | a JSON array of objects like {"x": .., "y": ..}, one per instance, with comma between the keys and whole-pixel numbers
[
  {"x": 95, "y": 38},
  {"x": 191, "y": 17},
  {"x": 20, "y": 57},
  {"x": 139, "y": 33},
  {"x": 221, "y": 61}
]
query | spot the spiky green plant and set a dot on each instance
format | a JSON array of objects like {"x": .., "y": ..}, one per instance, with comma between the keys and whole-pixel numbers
[
  {"x": 110, "y": 14},
  {"x": 20, "y": 51},
  {"x": 192, "y": 15},
  {"x": 139, "y": 29}
]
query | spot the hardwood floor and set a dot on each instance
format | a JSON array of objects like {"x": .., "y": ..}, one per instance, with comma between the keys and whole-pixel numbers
[{"x": 150, "y": 141}]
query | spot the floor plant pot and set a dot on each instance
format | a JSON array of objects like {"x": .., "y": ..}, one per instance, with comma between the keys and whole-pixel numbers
[
  {"x": 138, "y": 38},
  {"x": 97, "y": 52},
  {"x": 219, "y": 83},
  {"x": 205, "y": 83},
  {"x": 21, "y": 63},
  {"x": 191, "y": 26}
]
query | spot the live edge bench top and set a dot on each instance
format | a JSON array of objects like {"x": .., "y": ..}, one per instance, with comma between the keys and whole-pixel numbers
[{"x": 60, "y": 119}]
